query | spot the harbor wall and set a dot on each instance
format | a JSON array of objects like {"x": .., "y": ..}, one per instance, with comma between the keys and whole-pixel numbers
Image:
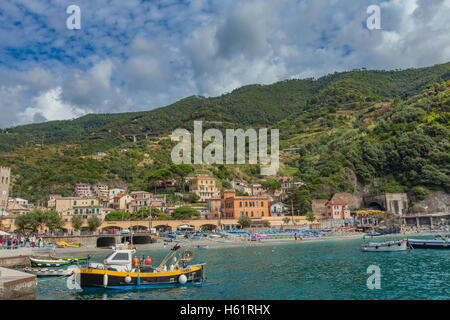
[
  {"x": 14, "y": 262},
  {"x": 17, "y": 285}
]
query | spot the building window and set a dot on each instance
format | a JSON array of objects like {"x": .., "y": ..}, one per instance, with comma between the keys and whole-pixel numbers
[
  {"x": 240, "y": 203},
  {"x": 262, "y": 205},
  {"x": 252, "y": 213}
]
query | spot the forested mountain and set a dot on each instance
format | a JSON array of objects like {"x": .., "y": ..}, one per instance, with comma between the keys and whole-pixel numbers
[
  {"x": 352, "y": 128},
  {"x": 253, "y": 105}
]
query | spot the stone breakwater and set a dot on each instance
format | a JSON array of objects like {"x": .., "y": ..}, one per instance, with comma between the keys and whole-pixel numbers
[{"x": 17, "y": 285}]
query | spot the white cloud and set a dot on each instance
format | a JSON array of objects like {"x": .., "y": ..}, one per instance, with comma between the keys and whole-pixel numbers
[
  {"x": 49, "y": 106},
  {"x": 137, "y": 55}
]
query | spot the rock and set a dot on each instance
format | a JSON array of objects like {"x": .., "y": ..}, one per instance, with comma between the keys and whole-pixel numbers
[{"x": 437, "y": 202}]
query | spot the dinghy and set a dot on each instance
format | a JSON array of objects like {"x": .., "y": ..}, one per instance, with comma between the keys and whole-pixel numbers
[{"x": 385, "y": 246}]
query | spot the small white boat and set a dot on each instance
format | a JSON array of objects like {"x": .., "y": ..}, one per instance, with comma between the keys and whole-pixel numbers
[
  {"x": 400, "y": 245},
  {"x": 46, "y": 272}
]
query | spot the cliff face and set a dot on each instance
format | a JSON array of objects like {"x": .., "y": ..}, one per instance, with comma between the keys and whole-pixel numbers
[
  {"x": 437, "y": 202},
  {"x": 354, "y": 202}
]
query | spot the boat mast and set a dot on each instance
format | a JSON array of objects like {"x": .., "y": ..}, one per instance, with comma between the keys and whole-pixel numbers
[{"x": 170, "y": 255}]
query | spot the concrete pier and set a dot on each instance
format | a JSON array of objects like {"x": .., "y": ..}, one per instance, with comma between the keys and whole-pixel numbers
[{"x": 17, "y": 285}]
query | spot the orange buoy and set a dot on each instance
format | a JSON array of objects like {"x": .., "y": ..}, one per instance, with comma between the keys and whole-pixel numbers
[
  {"x": 135, "y": 261},
  {"x": 231, "y": 255},
  {"x": 148, "y": 261}
]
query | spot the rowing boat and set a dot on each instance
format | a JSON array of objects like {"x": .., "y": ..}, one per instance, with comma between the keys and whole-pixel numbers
[{"x": 385, "y": 246}]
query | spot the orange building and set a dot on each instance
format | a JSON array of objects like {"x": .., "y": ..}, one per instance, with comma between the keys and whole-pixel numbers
[{"x": 250, "y": 206}]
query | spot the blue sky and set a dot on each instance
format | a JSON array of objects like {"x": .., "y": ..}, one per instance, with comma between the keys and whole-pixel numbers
[{"x": 137, "y": 55}]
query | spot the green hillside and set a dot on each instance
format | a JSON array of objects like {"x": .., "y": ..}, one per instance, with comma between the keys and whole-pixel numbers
[
  {"x": 253, "y": 105},
  {"x": 389, "y": 126}
]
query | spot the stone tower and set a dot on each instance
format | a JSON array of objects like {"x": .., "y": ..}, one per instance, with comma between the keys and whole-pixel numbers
[{"x": 5, "y": 178}]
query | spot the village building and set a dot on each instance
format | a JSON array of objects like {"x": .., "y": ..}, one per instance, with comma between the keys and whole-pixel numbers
[
  {"x": 5, "y": 180},
  {"x": 123, "y": 202},
  {"x": 83, "y": 190},
  {"x": 278, "y": 209},
  {"x": 214, "y": 208},
  {"x": 251, "y": 206},
  {"x": 203, "y": 186},
  {"x": 336, "y": 210},
  {"x": 242, "y": 187},
  {"x": 101, "y": 190},
  {"x": 65, "y": 204},
  {"x": 114, "y": 192}
]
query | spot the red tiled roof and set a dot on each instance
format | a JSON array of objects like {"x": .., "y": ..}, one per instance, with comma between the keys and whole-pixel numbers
[{"x": 342, "y": 203}]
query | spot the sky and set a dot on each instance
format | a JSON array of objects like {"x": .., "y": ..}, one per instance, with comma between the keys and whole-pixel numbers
[{"x": 135, "y": 55}]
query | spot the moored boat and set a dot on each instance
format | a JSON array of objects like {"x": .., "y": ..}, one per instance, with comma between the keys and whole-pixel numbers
[
  {"x": 46, "y": 272},
  {"x": 55, "y": 262},
  {"x": 121, "y": 271},
  {"x": 37, "y": 262},
  {"x": 385, "y": 246},
  {"x": 439, "y": 242}
]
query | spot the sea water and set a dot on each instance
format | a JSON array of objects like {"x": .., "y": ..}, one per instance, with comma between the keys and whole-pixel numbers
[{"x": 291, "y": 271}]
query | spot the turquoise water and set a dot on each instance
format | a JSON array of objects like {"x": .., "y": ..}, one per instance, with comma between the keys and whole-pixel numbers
[{"x": 294, "y": 271}]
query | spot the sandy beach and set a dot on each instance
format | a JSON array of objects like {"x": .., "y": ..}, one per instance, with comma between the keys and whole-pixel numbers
[{"x": 192, "y": 244}]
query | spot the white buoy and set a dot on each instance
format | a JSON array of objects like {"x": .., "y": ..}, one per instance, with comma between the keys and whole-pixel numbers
[
  {"x": 182, "y": 279},
  {"x": 105, "y": 280},
  {"x": 127, "y": 279}
]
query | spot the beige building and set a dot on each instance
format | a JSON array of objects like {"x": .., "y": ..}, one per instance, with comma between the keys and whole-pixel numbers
[
  {"x": 5, "y": 179},
  {"x": 214, "y": 208},
  {"x": 123, "y": 202},
  {"x": 101, "y": 190},
  {"x": 65, "y": 204}
]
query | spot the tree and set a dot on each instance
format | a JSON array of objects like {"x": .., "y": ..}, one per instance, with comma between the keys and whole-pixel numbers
[
  {"x": 77, "y": 222},
  {"x": 301, "y": 200},
  {"x": 22, "y": 222},
  {"x": 310, "y": 216},
  {"x": 117, "y": 216},
  {"x": 185, "y": 213},
  {"x": 37, "y": 219},
  {"x": 266, "y": 224},
  {"x": 157, "y": 175},
  {"x": 286, "y": 220},
  {"x": 93, "y": 223},
  {"x": 271, "y": 185},
  {"x": 192, "y": 198},
  {"x": 181, "y": 170},
  {"x": 53, "y": 220},
  {"x": 245, "y": 222}
]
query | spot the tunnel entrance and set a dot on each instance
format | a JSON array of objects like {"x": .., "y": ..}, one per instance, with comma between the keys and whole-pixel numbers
[
  {"x": 105, "y": 242},
  {"x": 138, "y": 239}
]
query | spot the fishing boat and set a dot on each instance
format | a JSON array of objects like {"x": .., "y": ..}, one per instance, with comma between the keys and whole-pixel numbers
[
  {"x": 439, "y": 242},
  {"x": 56, "y": 262},
  {"x": 38, "y": 262},
  {"x": 123, "y": 272},
  {"x": 385, "y": 246},
  {"x": 46, "y": 272},
  {"x": 73, "y": 259}
]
